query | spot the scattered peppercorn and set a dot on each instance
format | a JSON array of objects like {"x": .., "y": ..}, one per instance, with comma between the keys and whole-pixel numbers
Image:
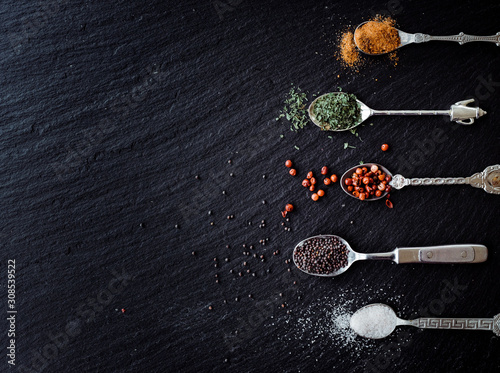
[
  {"x": 334, "y": 178},
  {"x": 306, "y": 183},
  {"x": 293, "y": 171},
  {"x": 289, "y": 207},
  {"x": 314, "y": 197},
  {"x": 324, "y": 170},
  {"x": 289, "y": 163},
  {"x": 385, "y": 147},
  {"x": 309, "y": 174},
  {"x": 327, "y": 181},
  {"x": 321, "y": 193}
]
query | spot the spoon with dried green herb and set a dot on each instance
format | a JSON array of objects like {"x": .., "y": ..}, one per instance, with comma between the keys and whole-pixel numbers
[{"x": 339, "y": 111}]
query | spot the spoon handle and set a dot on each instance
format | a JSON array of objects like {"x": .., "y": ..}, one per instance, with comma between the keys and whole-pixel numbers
[
  {"x": 461, "y": 253},
  {"x": 488, "y": 180},
  {"x": 460, "y": 38},
  {"x": 399, "y": 181},
  {"x": 458, "y": 323},
  {"x": 410, "y": 112}
]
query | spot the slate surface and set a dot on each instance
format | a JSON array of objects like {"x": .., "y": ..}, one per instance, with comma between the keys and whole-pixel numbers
[{"x": 110, "y": 109}]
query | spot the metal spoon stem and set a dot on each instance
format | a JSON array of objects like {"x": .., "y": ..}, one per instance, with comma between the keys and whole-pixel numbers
[{"x": 410, "y": 112}]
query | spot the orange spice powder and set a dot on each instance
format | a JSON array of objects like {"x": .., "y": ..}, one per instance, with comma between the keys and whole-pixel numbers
[
  {"x": 378, "y": 36},
  {"x": 348, "y": 51}
]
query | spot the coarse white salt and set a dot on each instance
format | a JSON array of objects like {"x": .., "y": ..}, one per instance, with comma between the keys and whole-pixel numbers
[{"x": 374, "y": 321}]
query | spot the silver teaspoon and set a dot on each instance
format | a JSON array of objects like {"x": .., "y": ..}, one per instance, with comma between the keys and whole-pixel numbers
[
  {"x": 406, "y": 38},
  {"x": 488, "y": 180},
  {"x": 460, "y": 253},
  {"x": 378, "y": 320},
  {"x": 459, "y": 112}
]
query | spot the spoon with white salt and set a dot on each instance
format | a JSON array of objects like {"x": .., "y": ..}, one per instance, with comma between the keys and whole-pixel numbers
[
  {"x": 378, "y": 321},
  {"x": 407, "y": 38}
]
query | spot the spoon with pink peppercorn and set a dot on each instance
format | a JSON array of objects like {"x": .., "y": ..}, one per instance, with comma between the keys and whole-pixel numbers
[{"x": 371, "y": 181}]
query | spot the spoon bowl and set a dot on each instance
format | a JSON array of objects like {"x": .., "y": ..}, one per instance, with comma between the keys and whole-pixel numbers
[
  {"x": 375, "y": 321},
  {"x": 404, "y": 39},
  {"x": 352, "y": 256},
  {"x": 352, "y": 170},
  {"x": 365, "y": 112}
]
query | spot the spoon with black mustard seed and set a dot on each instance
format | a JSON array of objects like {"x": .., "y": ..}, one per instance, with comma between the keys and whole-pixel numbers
[
  {"x": 330, "y": 255},
  {"x": 489, "y": 180},
  {"x": 407, "y": 38},
  {"x": 325, "y": 112}
]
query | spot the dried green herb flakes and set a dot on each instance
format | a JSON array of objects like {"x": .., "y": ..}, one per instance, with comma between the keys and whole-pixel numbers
[
  {"x": 337, "y": 111},
  {"x": 295, "y": 110}
]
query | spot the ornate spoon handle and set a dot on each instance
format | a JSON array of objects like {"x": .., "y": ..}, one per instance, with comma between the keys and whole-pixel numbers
[
  {"x": 458, "y": 323},
  {"x": 460, "y": 38},
  {"x": 489, "y": 180}
]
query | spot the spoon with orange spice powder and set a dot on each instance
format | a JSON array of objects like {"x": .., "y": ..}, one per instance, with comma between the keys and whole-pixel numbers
[{"x": 380, "y": 37}]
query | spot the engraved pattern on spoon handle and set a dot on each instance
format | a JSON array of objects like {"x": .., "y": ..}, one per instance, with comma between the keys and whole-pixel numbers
[
  {"x": 456, "y": 323},
  {"x": 410, "y": 112},
  {"x": 461, "y": 38},
  {"x": 399, "y": 181}
]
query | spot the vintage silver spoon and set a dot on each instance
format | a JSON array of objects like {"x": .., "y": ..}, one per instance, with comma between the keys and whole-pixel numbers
[
  {"x": 459, "y": 112},
  {"x": 489, "y": 180},
  {"x": 406, "y": 38},
  {"x": 460, "y": 253},
  {"x": 378, "y": 321}
]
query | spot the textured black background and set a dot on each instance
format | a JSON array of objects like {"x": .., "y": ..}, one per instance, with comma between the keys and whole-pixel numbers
[{"x": 109, "y": 110}]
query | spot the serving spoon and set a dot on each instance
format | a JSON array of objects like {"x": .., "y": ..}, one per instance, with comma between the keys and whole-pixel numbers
[
  {"x": 459, "y": 112},
  {"x": 459, "y": 253},
  {"x": 489, "y": 180},
  {"x": 378, "y": 321},
  {"x": 406, "y": 38}
]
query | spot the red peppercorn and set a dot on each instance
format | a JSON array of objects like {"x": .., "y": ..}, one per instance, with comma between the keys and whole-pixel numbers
[
  {"x": 378, "y": 193},
  {"x": 289, "y": 207},
  {"x": 348, "y": 181},
  {"x": 388, "y": 178},
  {"x": 311, "y": 188},
  {"x": 359, "y": 171},
  {"x": 385, "y": 147},
  {"x": 315, "y": 197},
  {"x": 321, "y": 193},
  {"x": 355, "y": 194},
  {"x": 327, "y": 181},
  {"x": 288, "y": 163},
  {"x": 381, "y": 177},
  {"x": 333, "y": 178},
  {"x": 309, "y": 174},
  {"x": 293, "y": 171},
  {"x": 350, "y": 188},
  {"x": 374, "y": 168},
  {"x": 306, "y": 183},
  {"x": 324, "y": 170},
  {"x": 366, "y": 180},
  {"x": 283, "y": 213},
  {"x": 362, "y": 196},
  {"x": 313, "y": 180},
  {"x": 389, "y": 204}
]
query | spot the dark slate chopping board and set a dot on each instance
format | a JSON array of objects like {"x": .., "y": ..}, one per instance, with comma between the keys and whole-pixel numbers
[{"x": 110, "y": 110}]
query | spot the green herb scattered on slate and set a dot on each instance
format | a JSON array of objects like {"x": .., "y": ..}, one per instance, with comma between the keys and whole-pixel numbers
[
  {"x": 361, "y": 162},
  {"x": 346, "y": 145},
  {"x": 296, "y": 147},
  {"x": 295, "y": 109},
  {"x": 337, "y": 111}
]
